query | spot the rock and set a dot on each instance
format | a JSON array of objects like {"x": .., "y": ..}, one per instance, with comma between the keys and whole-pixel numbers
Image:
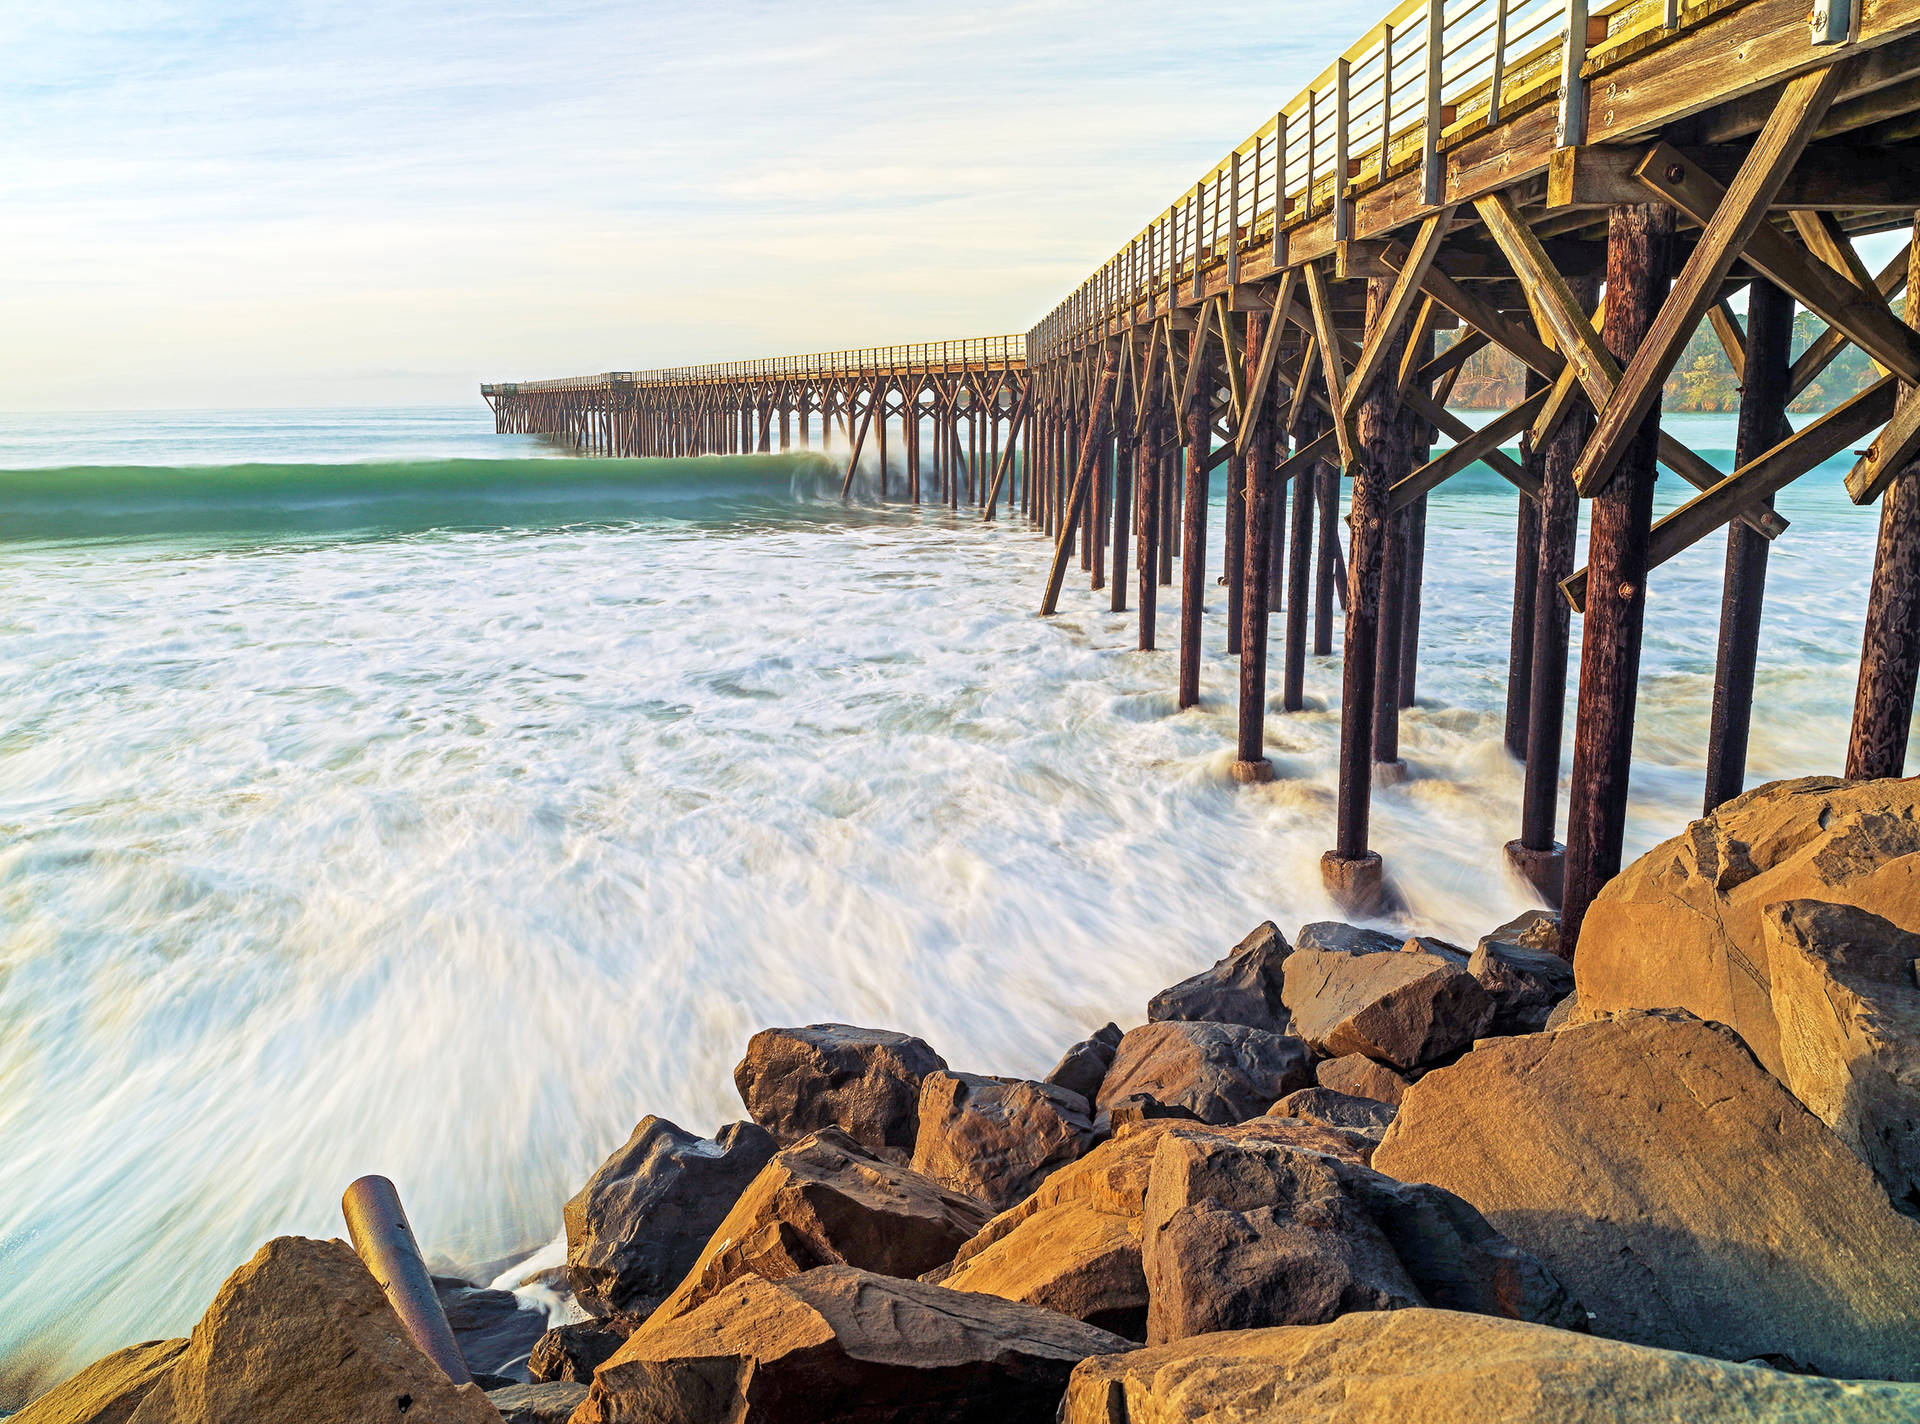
[
  {"x": 1847, "y": 1004},
  {"x": 1223, "y": 1072},
  {"x": 637, "y": 1226},
  {"x": 1074, "y": 1245},
  {"x": 302, "y": 1335},
  {"x": 571, "y": 1353},
  {"x": 1243, "y": 988},
  {"x": 493, "y": 1329},
  {"x": 1336, "y": 937},
  {"x": 551, "y": 1403},
  {"x": 824, "y": 1202},
  {"x": 995, "y": 1139},
  {"x": 1083, "y": 1066},
  {"x": 1686, "y": 926},
  {"x": 1678, "y": 1190},
  {"x": 1331, "y": 1109},
  {"x": 842, "y": 1344},
  {"x": 106, "y": 1391},
  {"x": 1403, "y": 1004},
  {"x": 1524, "y": 976},
  {"x": 864, "y": 1081},
  {"x": 1441, "y": 1367},
  {"x": 1358, "y": 1076},
  {"x": 1134, "y": 1109},
  {"x": 1563, "y": 1013},
  {"x": 1247, "y": 1233}
]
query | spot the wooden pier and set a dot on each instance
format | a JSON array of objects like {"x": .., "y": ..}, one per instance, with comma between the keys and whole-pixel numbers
[
  {"x": 967, "y": 399},
  {"x": 1578, "y": 187}
]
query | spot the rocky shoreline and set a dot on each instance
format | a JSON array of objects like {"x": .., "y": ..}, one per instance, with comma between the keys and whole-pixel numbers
[{"x": 1349, "y": 1174}]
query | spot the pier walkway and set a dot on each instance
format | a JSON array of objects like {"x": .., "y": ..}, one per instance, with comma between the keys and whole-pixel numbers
[{"x": 1578, "y": 188}]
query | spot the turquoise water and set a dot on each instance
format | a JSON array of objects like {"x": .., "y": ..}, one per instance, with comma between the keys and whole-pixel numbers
[{"x": 381, "y": 795}]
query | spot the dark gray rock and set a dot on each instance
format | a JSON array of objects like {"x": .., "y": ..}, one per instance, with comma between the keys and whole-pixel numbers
[
  {"x": 1223, "y": 1073},
  {"x": 1518, "y": 967},
  {"x": 493, "y": 1329},
  {"x": 637, "y": 1226},
  {"x": 1331, "y": 1109},
  {"x": 863, "y": 1081},
  {"x": 1243, "y": 988},
  {"x": 571, "y": 1353},
  {"x": 1082, "y": 1067}
]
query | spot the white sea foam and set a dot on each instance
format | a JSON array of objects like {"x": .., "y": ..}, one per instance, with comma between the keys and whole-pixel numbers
[{"x": 449, "y": 855}]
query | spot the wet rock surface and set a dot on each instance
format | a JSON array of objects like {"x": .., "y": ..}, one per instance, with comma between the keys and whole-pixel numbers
[
  {"x": 1222, "y": 1073},
  {"x": 637, "y": 1226},
  {"x": 838, "y": 1343},
  {"x": 1681, "y": 1193},
  {"x": 863, "y": 1081}
]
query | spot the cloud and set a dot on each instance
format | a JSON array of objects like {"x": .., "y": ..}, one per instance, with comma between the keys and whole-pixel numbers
[{"x": 315, "y": 202}]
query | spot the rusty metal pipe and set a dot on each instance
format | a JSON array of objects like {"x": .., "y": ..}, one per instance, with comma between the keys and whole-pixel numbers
[{"x": 381, "y": 1235}]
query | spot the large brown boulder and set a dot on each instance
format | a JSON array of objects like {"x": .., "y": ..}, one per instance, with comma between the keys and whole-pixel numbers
[
  {"x": 106, "y": 1391},
  {"x": 1355, "y": 991},
  {"x": 1687, "y": 926},
  {"x": 864, "y": 1081},
  {"x": 825, "y": 1201},
  {"x": 301, "y": 1334},
  {"x": 1247, "y": 1233},
  {"x": 637, "y": 1226},
  {"x": 1439, "y": 1367},
  {"x": 1679, "y": 1191},
  {"x": 995, "y": 1139},
  {"x": 843, "y": 1344},
  {"x": 1082, "y": 1067},
  {"x": 1074, "y": 1245},
  {"x": 1242, "y": 988},
  {"x": 1221, "y": 1072}
]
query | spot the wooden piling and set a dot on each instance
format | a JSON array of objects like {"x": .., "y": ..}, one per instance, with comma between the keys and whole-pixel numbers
[
  {"x": 1193, "y": 529},
  {"x": 1766, "y": 361},
  {"x": 1250, "y": 762},
  {"x": 1883, "y": 699},
  {"x": 1639, "y": 248}
]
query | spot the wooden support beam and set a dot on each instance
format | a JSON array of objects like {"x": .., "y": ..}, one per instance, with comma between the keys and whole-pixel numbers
[
  {"x": 1331, "y": 364},
  {"x": 1734, "y": 220},
  {"x": 1455, "y": 458},
  {"x": 1820, "y": 440},
  {"x": 1821, "y": 352},
  {"x": 1099, "y": 422},
  {"x": 1866, "y": 322},
  {"x": 1831, "y": 177},
  {"x": 1269, "y": 352},
  {"x": 1406, "y": 292}
]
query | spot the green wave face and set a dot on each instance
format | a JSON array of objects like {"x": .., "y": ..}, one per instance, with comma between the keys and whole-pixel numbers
[{"x": 392, "y": 497}]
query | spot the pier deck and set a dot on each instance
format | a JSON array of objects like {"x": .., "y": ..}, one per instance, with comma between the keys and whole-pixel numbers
[{"x": 1578, "y": 188}]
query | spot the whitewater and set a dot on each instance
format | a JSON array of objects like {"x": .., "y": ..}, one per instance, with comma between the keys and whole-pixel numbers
[{"x": 381, "y": 795}]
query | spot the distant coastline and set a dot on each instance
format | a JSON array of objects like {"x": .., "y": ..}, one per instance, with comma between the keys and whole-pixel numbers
[{"x": 1703, "y": 380}]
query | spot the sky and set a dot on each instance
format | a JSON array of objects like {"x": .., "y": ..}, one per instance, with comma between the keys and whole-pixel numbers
[{"x": 320, "y": 203}]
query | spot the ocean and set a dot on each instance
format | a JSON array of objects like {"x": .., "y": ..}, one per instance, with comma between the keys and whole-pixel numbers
[{"x": 378, "y": 794}]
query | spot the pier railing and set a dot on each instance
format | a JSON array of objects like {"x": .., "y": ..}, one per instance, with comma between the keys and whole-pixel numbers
[
  {"x": 976, "y": 353},
  {"x": 1393, "y": 102}
]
